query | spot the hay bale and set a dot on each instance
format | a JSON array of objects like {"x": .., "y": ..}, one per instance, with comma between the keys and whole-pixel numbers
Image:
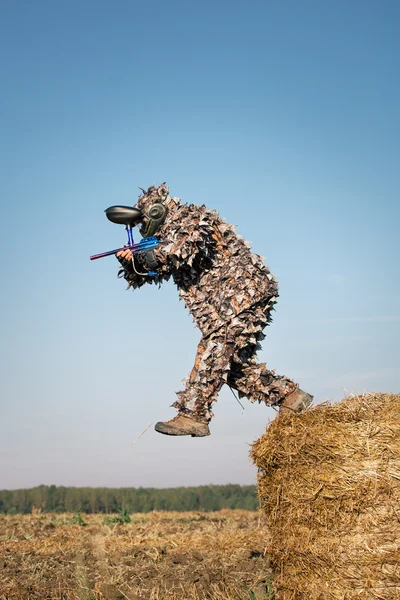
[{"x": 329, "y": 482}]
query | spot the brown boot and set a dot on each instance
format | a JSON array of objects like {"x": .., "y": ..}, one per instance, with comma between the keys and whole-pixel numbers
[
  {"x": 183, "y": 425},
  {"x": 296, "y": 402}
]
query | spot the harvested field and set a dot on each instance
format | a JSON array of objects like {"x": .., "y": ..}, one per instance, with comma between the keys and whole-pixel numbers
[{"x": 155, "y": 556}]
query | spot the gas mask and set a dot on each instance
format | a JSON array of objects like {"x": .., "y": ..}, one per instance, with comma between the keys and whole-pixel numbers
[{"x": 154, "y": 217}]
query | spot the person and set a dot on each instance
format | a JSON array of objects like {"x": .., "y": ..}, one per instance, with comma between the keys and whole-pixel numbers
[{"x": 229, "y": 292}]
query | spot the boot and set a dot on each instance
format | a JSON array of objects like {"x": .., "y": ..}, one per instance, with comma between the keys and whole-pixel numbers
[
  {"x": 296, "y": 402},
  {"x": 183, "y": 425}
]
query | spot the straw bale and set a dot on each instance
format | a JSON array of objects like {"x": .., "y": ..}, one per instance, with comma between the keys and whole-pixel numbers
[{"x": 329, "y": 481}]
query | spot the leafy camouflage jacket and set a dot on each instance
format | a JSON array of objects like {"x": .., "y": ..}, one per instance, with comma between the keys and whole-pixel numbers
[{"x": 217, "y": 275}]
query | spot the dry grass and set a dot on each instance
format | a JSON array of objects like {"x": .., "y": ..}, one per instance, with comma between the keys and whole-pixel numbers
[
  {"x": 157, "y": 556},
  {"x": 330, "y": 486}
]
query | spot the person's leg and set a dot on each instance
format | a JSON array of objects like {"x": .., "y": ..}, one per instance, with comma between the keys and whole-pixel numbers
[
  {"x": 209, "y": 373},
  {"x": 258, "y": 384},
  {"x": 227, "y": 356},
  {"x": 252, "y": 379}
]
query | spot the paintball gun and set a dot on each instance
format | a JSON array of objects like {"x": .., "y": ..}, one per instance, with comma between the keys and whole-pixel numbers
[{"x": 130, "y": 216}]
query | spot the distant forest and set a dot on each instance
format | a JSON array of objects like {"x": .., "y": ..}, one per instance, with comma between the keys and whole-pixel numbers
[{"x": 113, "y": 500}]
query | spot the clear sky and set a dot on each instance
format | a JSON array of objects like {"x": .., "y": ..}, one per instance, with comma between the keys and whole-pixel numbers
[{"x": 284, "y": 116}]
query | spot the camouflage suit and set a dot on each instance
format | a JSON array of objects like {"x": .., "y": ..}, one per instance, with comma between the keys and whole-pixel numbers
[{"x": 230, "y": 294}]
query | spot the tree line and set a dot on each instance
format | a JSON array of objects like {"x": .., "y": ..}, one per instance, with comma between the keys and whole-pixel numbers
[{"x": 112, "y": 500}]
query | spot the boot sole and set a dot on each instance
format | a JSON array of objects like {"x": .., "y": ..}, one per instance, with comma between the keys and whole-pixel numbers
[{"x": 161, "y": 428}]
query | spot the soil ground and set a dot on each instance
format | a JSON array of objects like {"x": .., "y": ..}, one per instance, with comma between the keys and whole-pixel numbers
[{"x": 154, "y": 556}]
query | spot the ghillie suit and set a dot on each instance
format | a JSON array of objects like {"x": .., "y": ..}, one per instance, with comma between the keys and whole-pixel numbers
[{"x": 229, "y": 292}]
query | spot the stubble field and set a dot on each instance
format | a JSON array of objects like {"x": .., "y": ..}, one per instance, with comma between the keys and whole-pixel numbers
[{"x": 153, "y": 556}]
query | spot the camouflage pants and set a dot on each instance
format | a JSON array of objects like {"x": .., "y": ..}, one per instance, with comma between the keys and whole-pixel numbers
[{"x": 229, "y": 356}]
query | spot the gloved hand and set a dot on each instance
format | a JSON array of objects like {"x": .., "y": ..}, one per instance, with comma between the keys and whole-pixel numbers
[{"x": 124, "y": 257}]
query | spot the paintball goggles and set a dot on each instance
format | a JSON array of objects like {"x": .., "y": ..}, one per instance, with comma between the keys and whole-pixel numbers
[{"x": 144, "y": 250}]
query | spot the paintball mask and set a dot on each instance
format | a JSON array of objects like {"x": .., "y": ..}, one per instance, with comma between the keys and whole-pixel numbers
[{"x": 154, "y": 217}]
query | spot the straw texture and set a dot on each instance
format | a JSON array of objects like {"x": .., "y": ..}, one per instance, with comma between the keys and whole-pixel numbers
[{"x": 329, "y": 481}]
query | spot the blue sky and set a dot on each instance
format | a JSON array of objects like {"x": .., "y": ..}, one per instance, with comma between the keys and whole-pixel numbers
[{"x": 284, "y": 116}]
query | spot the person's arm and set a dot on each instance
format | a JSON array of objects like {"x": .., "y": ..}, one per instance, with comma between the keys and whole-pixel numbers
[
  {"x": 127, "y": 271},
  {"x": 190, "y": 244},
  {"x": 186, "y": 250}
]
